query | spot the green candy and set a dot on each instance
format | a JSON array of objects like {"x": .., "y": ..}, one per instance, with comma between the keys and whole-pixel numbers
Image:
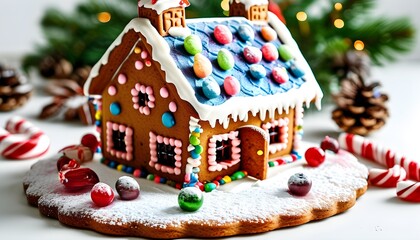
[
  {"x": 198, "y": 149},
  {"x": 192, "y": 44},
  {"x": 285, "y": 53},
  {"x": 190, "y": 199},
  {"x": 194, "y": 141},
  {"x": 225, "y": 59},
  {"x": 238, "y": 175},
  {"x": 208, "y": 187}
]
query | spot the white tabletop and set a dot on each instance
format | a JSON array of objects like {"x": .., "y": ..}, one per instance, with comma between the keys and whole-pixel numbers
[{"x": 378, "y": 214}]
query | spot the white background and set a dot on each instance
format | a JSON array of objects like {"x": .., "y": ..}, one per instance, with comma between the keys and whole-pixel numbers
[{"x": 20, "y": 30}]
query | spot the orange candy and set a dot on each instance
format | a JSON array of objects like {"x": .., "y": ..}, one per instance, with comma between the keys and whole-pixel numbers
[{"x": 202, "y": 66}]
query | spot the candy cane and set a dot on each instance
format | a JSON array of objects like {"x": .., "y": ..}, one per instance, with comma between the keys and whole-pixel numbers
[
  {"x": 365, "y": 148},
  {"x": 409, "y": 191},
  {"x": 387, "y": 178},
  {"x": 22, "y": 140}
]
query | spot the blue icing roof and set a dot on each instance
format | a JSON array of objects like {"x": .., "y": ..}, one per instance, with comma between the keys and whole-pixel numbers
[{"x": 249, "y": 85}]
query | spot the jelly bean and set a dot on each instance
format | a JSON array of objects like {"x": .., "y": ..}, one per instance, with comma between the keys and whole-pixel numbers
[
  {"x": 285, "y": 53},
  {"x": 193, "y": 45},
  {"x": 246, "y": 33},
  {"x": 202, "y": 66},
  {"x": 257, "y": 71},
  {"x": 225, "y": 59},
  {"x": 222, "y": 34},
  {"x": 269, "y": 52},
  {"x": 296, "y": 71},
  {"x": 280, "y": 75},
  {"x": 252, "y": 54},
  {"x": 211, "y": 88},
  {"x": 231, "y": 85},
  {"x": 268, "y": 33}
]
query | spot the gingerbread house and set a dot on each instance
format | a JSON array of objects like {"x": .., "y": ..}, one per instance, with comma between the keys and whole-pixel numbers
[{"x": 159, "y": 113}]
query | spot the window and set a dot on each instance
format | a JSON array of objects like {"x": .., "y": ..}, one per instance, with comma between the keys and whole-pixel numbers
[
  {"x": 119, "y": 140},
  {"x": 143, "y": 98},
  {"x": 278, "y": 132},
  {"x": 258, "y": 13},
  {"x": 224, "y": 151},
  {"x": 165, "y": 154}
]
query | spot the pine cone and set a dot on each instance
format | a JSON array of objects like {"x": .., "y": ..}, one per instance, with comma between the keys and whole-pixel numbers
[
  {"x": 14, "y": 89},
  {"x": 55, "y": 67},
  {"x": 360, "y": 108},
  {"x": 352, "y": 61}
]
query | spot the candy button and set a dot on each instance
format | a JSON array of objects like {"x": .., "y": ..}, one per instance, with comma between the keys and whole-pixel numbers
[
  {"x": 192, "y": 44},
  {"x": 225, "y": 59},
  {"x": 268, "y": 33},
  {"x": 194, "y": 141},
  {"x": 222, "y": 34},
  {"x": 211, "y": 88},
  {"x": 168, "y": 119},
  {"x": 208, "y": 187},
  {"x": 252, "y": 54},
  {"x": 269, "y": 52},
  {"x": 280, "y": 75},
  {"x": 257, "y": 71},
  {"x": 296, "y": 71},
  {"x": 246, "y": 33},
  {"x": 231, "y": 85},
  {"x": 285, "y": 53},
  {"x": 115, "y": 108},
  {"x": 202, "y": 66}
]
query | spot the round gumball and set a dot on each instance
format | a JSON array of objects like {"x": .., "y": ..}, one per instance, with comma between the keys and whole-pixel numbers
[
  {"x": 127, "y": 187},
  {"x": 89, "y": 140},
  {"x": 330, "y": 144},
  {"x": 299, "y": 184},
  {"x": 314, "y": 156},
  {"x": 102, "y": 194},
  {"x": 190, "y": 199}
]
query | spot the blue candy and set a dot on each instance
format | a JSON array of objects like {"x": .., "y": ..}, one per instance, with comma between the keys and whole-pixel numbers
[
  {"x": 246, "y": 33},
  {"x": 211, "y": 88},
  {"x": 257, "y": 71},
  {"x": 115, "y": 108},
  {"x": 168, "y": 119}
]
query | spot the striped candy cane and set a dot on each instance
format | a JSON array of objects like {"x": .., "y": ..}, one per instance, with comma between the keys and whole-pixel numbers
[
  {"x": 22, "y": 140},
  {"x": 386, "y": 157}
]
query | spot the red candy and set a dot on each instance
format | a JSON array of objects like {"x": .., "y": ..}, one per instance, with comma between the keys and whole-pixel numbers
[
  {"x": 315, "y": 156},
  {"x": 89, "y": 140},
  {"x": 79, "y": 153},
  {"x": 252, "y": 54},
  {"x": 299, "y": 184},
  {"x": 387, "y": 178},
  {"x": 280, "y": 75},
  {"x": 102, "y": 194},
  {"x": 65, "y": 163},
  {"x": 222, "y": 34},
  {"x": 270, "y": 52},
  {"x": 409, "y": 191},
  {"x": 79, "y": 178},
  {"x": 231, "y": 85},
  {"x": 330, "y": 144}
]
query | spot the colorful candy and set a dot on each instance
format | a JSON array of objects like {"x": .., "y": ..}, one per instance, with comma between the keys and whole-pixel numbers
[
  {"x": 330, "y": 144},
  {"x": 280, "y": 75},
  {"x": 386, "y": 157},
  {"x": 115, "y": 108},
  {"x": 91, "y": 141},
  {"x": 65, "y": 163},
  {"x": 211, "y": 88},
  {"x": 22, "y": 140},
  {"x": 285, "y": 52},
  {"x": 387, "y": 178},
  {"x": 269, "y": 52},
  {"x": 409, "y": 191},
  {"x": 246, "y": 33},
  {"x": 225, "y": 59},
  {"x": 127, "y": 187},
  {"x": 102, "y": 194},
  {"x": 257, "y": 71},
  {"x": 202, "y": 66},
  {"x": 78, "y": 178},
  {"x": 268, "y": 33},
  {"x": 190, "y": 199},
  {"x": 252, "y": 54},
  {"x": 314, "y": 156},
  {"x": 193, "y": 45},
  {"x": 299, "y": 184},
  {"x": 231, "y": 85},
  {"x": 168, "y": 119},
  {"x": 79, "y": 153},
  {"x": 296, "y": 71},
  {"x": 222, "y": 34}
]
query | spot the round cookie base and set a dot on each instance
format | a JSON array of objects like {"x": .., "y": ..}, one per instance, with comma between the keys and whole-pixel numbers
[{"x": 245, "y": 206}]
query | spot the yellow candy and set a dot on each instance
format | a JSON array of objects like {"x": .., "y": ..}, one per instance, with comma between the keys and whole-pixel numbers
[
  {"x": 120, "y": 167},
  {"x": 202, "y": 66},
  {"x": 227, "y": 179},
  {"x": 98, "y": 115},
  {"x": 195, "y": 134},
  {"x": 268, "y": 33}
]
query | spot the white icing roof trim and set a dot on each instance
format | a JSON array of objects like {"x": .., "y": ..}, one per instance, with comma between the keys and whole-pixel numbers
[
  {"x": 249, "y": 3},
  {"x": 160, "y": 5},
  {"x": 236, "y": 108}
]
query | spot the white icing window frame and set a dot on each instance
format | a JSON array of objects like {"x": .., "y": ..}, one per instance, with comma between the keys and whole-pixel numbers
[
  {"x": 212, "y": 151},
  {"x": 154, "y": 139},
  {"x": 128, "y": 140},
  {"x": 283, "y": 124},
  {"x": 143, "y": 89}
]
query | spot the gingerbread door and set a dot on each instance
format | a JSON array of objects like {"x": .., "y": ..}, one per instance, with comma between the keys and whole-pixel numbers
[{"x": 254, "y": 151}]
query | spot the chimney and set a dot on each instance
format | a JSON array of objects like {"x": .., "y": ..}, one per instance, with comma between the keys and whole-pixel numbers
[
  {"x": 253, "y": 10},
  {"x": 163, "y": 14}
]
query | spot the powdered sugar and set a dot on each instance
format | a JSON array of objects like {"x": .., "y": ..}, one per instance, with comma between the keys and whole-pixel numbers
[{"x": 245, "y": 200}]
